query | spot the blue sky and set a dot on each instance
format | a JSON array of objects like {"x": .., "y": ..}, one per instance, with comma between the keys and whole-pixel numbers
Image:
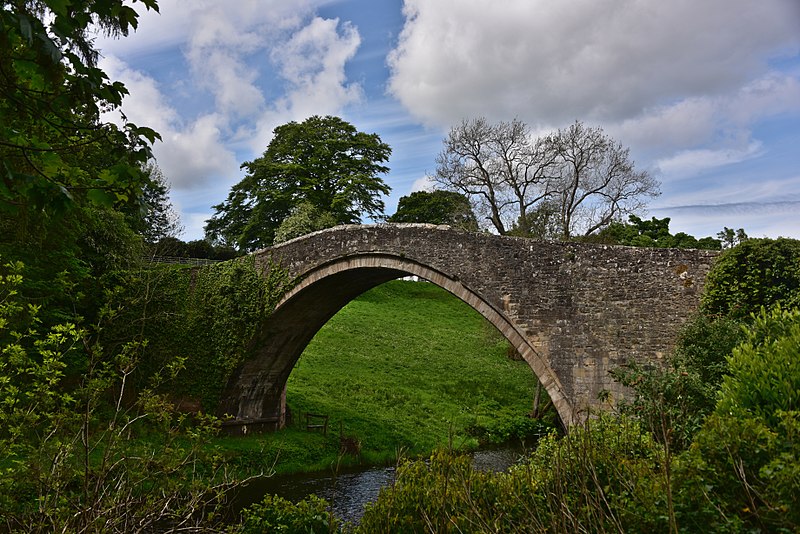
[{"x": 705, "y": 94}]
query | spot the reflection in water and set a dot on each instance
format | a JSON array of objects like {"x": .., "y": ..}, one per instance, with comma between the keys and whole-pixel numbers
[{"x": 351, "y": 489}]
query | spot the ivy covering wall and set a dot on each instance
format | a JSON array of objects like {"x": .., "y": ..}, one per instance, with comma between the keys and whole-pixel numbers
[{"x": 207, "y": 316}]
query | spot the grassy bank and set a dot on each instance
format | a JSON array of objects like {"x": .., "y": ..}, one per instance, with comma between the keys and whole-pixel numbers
[{"x": 402, "y": 369}]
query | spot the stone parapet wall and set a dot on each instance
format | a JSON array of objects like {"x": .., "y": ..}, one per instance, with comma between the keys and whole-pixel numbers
[{"x": 582, "y": 309}]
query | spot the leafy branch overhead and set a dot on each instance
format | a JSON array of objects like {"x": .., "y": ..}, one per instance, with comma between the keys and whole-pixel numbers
[{"x": 55, "y": 148}]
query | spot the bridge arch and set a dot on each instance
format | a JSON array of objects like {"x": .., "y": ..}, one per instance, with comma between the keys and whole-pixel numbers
[
  {"x": 319, "y": 295},
  {"x": 364, "y": 269}
]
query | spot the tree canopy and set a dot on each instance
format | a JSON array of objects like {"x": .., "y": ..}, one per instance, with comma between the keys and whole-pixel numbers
[
  {"x": 54, "y": 148},
  {"x": 640, "y": 232},
  {"x": 436, "y": 207},
  {"x": 755, "y": 273},
  {"x": 577, "y": 178},
  {"x": 322, "y": 161},
  {"x": 67, "y": 176}
]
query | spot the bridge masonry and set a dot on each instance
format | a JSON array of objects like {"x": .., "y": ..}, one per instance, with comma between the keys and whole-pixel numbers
[{"x": 574, "y": 311}]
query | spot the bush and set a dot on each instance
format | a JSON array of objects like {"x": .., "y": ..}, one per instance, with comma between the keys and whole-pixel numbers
[
  {"x": 673, "y": 401},
  {"x": 756, "y": 273},
  {"x": 606, "y": 475},
  {"x": 743, "y": 469},
  {"x": 764, "y": 375},
  {"x": 74, "y": 453},
  {"x": 275, "y": 514}
]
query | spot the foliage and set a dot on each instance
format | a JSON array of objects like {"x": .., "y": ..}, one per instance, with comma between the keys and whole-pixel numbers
[
  {"x": 604, "y": 476},
  {"x": 576, "y": 179},
  {"x": 276, "y": 514},
  {"x": 730, "y": 237},
  {"x": 741, "y": 476},
  {"x": 197, "y": 248},
  {"x": 436, "y": 207},
  {"x": 764, "y": 377},
  {"x": 54, "y": 148},
  {"x": 443, "y": 494},
  {"x": 755, "y": 273},
  {"x": 323, "y": 161},
  {"x": 208, "y": 316},
  {"x": 540, "y": 222},
  {"x": 155, "y": 219},
  {"x": 741, "y": 473},
  {"x": 68, "y": 462},
  {"x": 674, "y": 400},
  {"x": 68, "y": 258},
  {"x": 304, "y": 219},
  {"x": 653, "y": 233}
]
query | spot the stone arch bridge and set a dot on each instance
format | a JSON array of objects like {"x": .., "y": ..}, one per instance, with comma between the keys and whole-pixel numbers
[{"x": 574, "y": 311}]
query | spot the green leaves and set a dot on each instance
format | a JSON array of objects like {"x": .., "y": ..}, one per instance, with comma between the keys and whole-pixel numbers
[
  {"x": 323, "y": 161},
  {"x": 53, "y": 144},
  {"x": 755, "y": 273}
]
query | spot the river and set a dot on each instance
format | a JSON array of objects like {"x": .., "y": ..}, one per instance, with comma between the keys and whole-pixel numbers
[{"x": 352, "y": 488}]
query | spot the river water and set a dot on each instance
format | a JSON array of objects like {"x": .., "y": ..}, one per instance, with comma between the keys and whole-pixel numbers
[{"x": 352, "y": 488}]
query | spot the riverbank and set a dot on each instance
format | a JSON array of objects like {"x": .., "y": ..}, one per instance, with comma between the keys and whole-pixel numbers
[{"x": 399, "y": 371}]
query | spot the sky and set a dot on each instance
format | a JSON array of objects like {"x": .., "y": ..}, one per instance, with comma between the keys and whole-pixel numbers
[{"x": 705, "y": 94}]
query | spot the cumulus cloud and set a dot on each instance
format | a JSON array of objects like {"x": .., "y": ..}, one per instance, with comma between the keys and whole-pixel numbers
[
  {"x": 190, "y": 154},
  {"x": 595, "y": 60},
  {"x": 312, "y": 65},
  {"x": 422, "y": 184},
  {"x": 227, "y": 48}
]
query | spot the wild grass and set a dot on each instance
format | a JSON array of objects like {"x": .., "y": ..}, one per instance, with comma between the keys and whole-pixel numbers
[{"x": 402, "y": 369}]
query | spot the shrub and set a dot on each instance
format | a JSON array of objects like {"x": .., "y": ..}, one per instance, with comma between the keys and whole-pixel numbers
[
  {"x": 755, "y": 273},
  {"x": 275, "y": 514},
  {"x": 765, "y": 370},
  {"x": 743, "y": 469},
  {"x": 606, "y": 475},
  {"x": 673, "y": 401}
]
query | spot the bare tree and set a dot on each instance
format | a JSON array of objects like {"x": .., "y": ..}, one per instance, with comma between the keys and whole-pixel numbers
[
  {"x": 497, "y": 166},
  {"x": 577, "y": 179},
  {"x": 596, "y": 181}
]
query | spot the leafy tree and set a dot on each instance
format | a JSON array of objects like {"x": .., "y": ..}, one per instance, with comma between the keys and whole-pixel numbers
[
  {"x": 653, "y": 233},
  {"x": 323, "y": 161},
  {"x": 64, "y": 173},
  {"x": 54, "y": 148},
  {"x": 755, "y": 273},
  {"x": 305, "y": 218},
  {"x": 730, "y": 237},
  {"x": 155, "y": 218},
  {"x": 436, "y": 207},
  {"x": 541, "y": 222}
]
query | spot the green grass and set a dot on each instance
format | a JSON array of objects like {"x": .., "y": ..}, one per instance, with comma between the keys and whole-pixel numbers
[{"x": 405, "y": 367}]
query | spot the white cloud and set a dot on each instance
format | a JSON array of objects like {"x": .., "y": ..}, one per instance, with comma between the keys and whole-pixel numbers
[
  {"x": 312, "y": 63},
  {"x": 206, "y": 22},
  {"x": 197, "y": 155},
  {"x": 422, "y": 184},
  {"x": 189, "y": 155},
  {"x": 595, "y": 60}
]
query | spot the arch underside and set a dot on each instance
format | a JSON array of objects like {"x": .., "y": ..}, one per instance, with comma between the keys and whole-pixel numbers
[{"x": 256, "y": 392}]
